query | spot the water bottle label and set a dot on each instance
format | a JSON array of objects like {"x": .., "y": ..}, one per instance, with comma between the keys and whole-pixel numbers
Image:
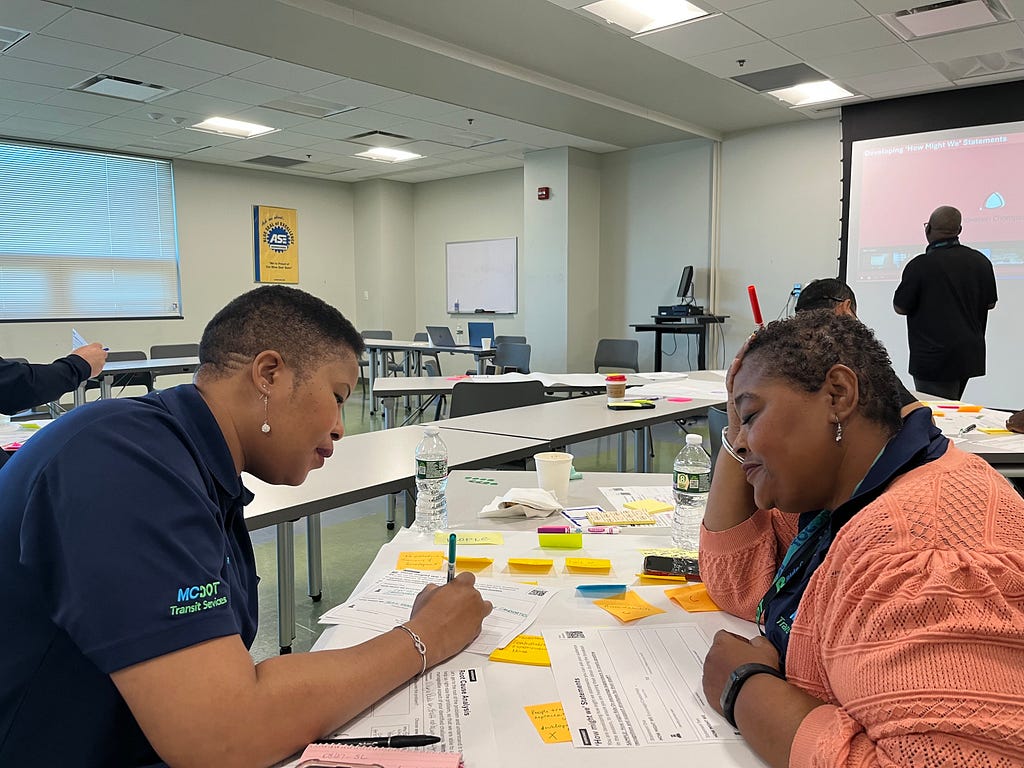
[
  {"x": 431, "y": 469},
  {"x": 696, "y": 482}
]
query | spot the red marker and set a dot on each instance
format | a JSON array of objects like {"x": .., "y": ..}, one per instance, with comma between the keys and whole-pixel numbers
[{"x": 754, "y": 306}]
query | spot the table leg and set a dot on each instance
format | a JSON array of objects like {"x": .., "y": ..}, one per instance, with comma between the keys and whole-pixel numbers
[
  {"x": 702, "y": 347},
  {"x": 622, "y": 452},
  {"x": 80, "y": 395},
  {"x": 106, "y": 385},
  {"x": 410, "y": 508},
  {"x": 285, "y": 586},
  {"x": 314, "y": 557},
  {"x": 657, "y": 350},
  {"x": 639, "y": 449},
  {"x": 481, "y": 364},
  {"x": 390, "y": 518},
  {"x": 372, "y": 355},
  {"x": 388, "y": 407}
]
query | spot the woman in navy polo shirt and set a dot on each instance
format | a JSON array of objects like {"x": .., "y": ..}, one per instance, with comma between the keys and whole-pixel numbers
[{"x": 130, "y": 579}]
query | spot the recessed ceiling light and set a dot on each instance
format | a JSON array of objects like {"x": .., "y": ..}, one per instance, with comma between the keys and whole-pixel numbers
[
  {"x": 816, "y": 92},
  {"x": 640, "y": 16},
  {"x": 388, "y": 155},
  {"x": 227, "y": 127}
]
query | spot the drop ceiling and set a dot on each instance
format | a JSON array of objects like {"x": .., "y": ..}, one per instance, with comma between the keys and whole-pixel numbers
[{"x": 471, "y": 85}]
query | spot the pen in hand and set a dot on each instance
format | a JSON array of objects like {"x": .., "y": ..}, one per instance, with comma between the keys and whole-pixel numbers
[
  {"x": 395, "y": 742},
  {"x": 452, "y": 538},
  {"x": 967, "y": 429}
]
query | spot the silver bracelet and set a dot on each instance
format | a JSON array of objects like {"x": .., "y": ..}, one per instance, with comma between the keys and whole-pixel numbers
[
  {"x": 420, "y": 647},
  {"x": 728, "y": 446}
]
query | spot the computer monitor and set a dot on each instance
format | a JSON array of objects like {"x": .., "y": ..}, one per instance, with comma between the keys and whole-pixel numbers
[{"x": 685, "y": 282}]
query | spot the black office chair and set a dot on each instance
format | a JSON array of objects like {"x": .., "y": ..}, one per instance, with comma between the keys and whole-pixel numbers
[
  {"x": 510, "y": 357},
  {"x": 472, "y": 397},
  {"x": 617, "y": 354},
  {"x": 508, "y": 340},
  {"x": 123, "y": 380},
  {"x": 390, "y": 366},
  {"x": 164, "y": 351}
]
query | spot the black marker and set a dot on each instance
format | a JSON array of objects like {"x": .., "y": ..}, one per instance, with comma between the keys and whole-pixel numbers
[{"x": 396, "y": 742}]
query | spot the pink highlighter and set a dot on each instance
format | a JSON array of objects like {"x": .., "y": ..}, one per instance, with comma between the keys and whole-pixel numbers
[{"x": 755, "y": 307}]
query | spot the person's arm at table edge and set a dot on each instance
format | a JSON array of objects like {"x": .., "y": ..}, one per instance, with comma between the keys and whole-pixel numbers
[
  {"x": 23, "y": 385},
  {"x": 769, "y": 712},
  {"x": 731, "y": 499},
  {"x": 208, "y": 704}
]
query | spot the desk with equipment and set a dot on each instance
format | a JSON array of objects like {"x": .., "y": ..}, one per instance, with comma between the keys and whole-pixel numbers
[{"x": 696, "y": 325}]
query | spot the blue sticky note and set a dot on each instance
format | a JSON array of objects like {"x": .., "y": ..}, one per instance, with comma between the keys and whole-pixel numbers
[{"x": 600, "y": 590}]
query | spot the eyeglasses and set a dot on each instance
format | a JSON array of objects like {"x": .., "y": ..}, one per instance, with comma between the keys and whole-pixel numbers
[{"x": 728, "y": 446}]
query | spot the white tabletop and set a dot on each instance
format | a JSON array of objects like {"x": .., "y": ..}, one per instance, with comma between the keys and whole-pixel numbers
[
  {"x": 157, "y": 365},
  {"x": 399, "y": 386}
]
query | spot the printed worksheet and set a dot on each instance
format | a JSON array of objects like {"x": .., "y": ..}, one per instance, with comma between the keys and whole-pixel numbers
[
  {"x": 388, "y": 603},
  {"x": 618, "y": 496},
  {"x": 633, "y": 687}
]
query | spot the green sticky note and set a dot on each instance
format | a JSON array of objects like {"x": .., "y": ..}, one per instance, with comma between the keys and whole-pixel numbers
[{"x": 561, "y": 540}]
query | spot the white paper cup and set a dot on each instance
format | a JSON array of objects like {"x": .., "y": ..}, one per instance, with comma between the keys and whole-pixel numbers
[
  {"x": 485, "y": 343},
  {"x": 553, "y": 472}
]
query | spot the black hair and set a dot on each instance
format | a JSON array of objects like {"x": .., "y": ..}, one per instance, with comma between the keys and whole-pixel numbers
[
  {"x": 802, "y": 349},
  {"x": 825, "y": 294},
  {"x": 305, "y": 330}
]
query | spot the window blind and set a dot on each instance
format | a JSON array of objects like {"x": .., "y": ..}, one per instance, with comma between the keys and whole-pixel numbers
[{"x": 86, "y": 235}]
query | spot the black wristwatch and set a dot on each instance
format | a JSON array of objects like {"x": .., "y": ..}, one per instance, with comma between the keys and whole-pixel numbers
[{"x": 739, "y": 676}]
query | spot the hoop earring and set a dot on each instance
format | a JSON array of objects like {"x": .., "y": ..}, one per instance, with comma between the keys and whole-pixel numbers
[
  {"x": 839, "y": 432},
  {"x": 265, "y": 429}
]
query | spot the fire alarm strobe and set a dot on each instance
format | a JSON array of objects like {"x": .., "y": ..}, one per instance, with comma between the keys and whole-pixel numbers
[{"x": 543, "y": 193}]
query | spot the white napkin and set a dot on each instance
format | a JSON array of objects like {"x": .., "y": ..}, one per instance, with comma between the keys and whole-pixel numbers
[{"x": 523, "y": 502}]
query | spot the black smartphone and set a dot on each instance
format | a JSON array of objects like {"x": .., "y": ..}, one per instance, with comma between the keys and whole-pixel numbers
[{"x": 659, "y": 565}]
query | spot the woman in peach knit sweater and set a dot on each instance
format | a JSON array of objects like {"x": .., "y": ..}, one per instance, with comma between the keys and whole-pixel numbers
[{"x": 893, "y": 624}]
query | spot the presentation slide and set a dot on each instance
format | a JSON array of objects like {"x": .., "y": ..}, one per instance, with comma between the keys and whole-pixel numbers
[{"x": 895, "y": 184}]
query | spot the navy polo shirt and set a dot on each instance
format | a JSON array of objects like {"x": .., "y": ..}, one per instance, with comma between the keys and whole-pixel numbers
[{"x": 122, "y": 538}]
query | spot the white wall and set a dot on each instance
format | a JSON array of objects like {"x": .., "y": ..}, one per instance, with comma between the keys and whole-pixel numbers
[
  {"x": 478, "y": 207},
  {"x": 780, "y": 212},
  {"x": 215, "y": 242},
  {"x": 655, "y": 219}
]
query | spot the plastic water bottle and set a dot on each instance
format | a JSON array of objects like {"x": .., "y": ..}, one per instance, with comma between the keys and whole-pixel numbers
[
  {"x": 431, "y": 481},
  {"x": 691, "y": 481},
  {"x": 456, "y": 306}
]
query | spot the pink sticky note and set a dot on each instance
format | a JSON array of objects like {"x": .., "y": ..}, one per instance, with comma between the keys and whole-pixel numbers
[
  {"x": 456, "y": 378},
  {"x": 679, "y": 399}
]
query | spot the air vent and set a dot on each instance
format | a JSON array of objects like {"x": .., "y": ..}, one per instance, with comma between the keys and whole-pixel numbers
[
  {"x": 944, "y": 17},
  {"x": 467, "y": 140},
  {"x": 10, "y": 37},
  {"x": 379, "y": 139},
  {"x": 274, "y": 161},
  {"x": 309, "y": 106},
  {"x": 123, "y": 88},
  {"x": 781, "y": 77},
  {"x": 980, "y": 66}
]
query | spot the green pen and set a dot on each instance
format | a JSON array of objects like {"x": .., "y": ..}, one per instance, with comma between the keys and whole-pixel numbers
[{"x": 452, "y": 538}]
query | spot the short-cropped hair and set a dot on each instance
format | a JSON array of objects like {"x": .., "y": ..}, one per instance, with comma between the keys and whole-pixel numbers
[
  {"x": 305, "y": 330},
  {"x": 825, "y": 294},
  {"x": 802, "y": 349}
]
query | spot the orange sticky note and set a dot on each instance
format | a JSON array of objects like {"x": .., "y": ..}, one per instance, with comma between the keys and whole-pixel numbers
[
  {"x": 524, "y": 649},
  {"x": 693, "y": 599},
  {"x": 550, "y": 722},
  {"x": 472, "y": 563},
  {"x": 589, "y": 564},
  {"x": 420, "y": 561},
  {"x": 532, "y": 564},
  {"x": 969, "y": 409},
  {"x": 629, "y": 607}
]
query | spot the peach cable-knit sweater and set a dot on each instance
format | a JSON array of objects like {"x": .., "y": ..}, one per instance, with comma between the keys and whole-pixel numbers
[{"x": 911, "y": 630}]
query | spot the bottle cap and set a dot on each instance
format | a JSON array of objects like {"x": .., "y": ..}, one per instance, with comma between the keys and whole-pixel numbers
[
  {"x": 430, "y": 431},
  {"x": 692, "y": 439}
]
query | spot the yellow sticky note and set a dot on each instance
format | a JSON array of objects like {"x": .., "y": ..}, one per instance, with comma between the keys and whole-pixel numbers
[
  {"x": 938, "y": 413},
  {"x": 472, "y": 563},
  {"x": 561, "y": 540},
  {"x": 420, "y": 561},
  {"x": 660, "y": 577},
  {"x": 588, "y": 564},
  {"x": 550, "y": 722},
  {"x": 628, "y": 608},
  {"x": 693, "y": 599},
  {"x": 470, "y": 537},
  {"x": 994, "y": 431},
  {"x": 524, "y": 649},
  {"x": 533, "y": 564},
  {"x": 650, "y": 506}
]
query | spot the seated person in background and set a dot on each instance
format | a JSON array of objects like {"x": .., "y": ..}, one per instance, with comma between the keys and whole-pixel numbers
[
  {"x": 24, "y": 385},
  {"x": 130, "y": 577},
  {"x": 892, "y": 625}
]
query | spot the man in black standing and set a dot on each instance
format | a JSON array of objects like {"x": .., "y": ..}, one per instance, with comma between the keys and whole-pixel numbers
[{"x": 946, "y": 294}]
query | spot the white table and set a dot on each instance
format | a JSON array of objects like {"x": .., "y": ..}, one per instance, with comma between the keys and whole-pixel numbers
[
  {"x": 363, "y": 466},
  {"x": 510, "y": 687},
  {"x": 155, "y": 367}
]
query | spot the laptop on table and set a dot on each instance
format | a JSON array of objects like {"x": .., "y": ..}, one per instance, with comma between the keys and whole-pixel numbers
[{"x": 441, "y": 336}]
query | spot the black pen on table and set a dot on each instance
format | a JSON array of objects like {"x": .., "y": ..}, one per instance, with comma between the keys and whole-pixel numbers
[
  {"x": 452, "y": 538},
  {"x": 395, "y": 742}
]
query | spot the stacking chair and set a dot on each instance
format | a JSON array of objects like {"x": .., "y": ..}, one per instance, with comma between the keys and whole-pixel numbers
[
  {"x": 159, "y": 351},
  {"x": 510, "y": 357},
  {"x": 390, "y": 366},
  {"x": 422, "y": 336},
  {"x": 491, "y": 366},
  {"x": 472, "y": 397},
  {"x": 618, "y": 354},
  {"x": 126, "y": 379}
]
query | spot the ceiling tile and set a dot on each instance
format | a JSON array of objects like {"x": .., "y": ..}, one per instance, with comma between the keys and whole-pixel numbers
[
  {"x": 198, "y": 103},
  {"x": 272, "y": 117},
  {"x": 895, "y": 81},
  {"x": 10, "y": 89},
  {"x": 184, "y": 136},
  {"x": 355, "y": 93},
  {"x": 328, "y": 129},
  {"x": 776, "y": 18},
  {"x": 284, "y": 74},
  {"x": 29, "y": 15},
  {"x": 756, "y": 58},
  {"x": 38, "y": 73},
  {"x": 497, "y": 162},
  {"x": 1016, "y": 7},
  {"x": 729, "y": 5},
  {"x": 570, "y": 4},
  {"x": 868, "y": 62},
  {"x": 202, "y": 54},
  {"x": 699, "y": 37},
  {"x": 158, "y": 72},
  {"x": 90, "y": 102},
  {"x": 417, "y": 106},
  {"x": 241, "y": 90},
  {"x": 847, "y": 37},
  {"x": 468, "y": 155},
  {"x": 140, "y": 127},
  {"x": 226, "y": 154},
  {"x": 425, "y": 148},
  {"x": 99, "y": 137},
  {"x": 29, "y": 127},
  {"x": 66, "y": 53},
  {"x": 972, "y": 42},
  {"x": 107, "y": 32},
  {"x": 369, "y": 118},
  {"x": 290, "y": 138},
  {"x": 10, "y": 107},
  {"x": 73, "y": 117},
  {"x": 887, "y": 6},
  {"x": 510, "y": 148}
]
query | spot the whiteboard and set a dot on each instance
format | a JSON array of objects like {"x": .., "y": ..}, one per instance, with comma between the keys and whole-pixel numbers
[{"x": 483, "y": 274}]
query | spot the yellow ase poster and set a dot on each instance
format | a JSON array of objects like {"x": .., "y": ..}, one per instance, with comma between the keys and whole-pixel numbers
[{"x": 276, "y": 236}]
